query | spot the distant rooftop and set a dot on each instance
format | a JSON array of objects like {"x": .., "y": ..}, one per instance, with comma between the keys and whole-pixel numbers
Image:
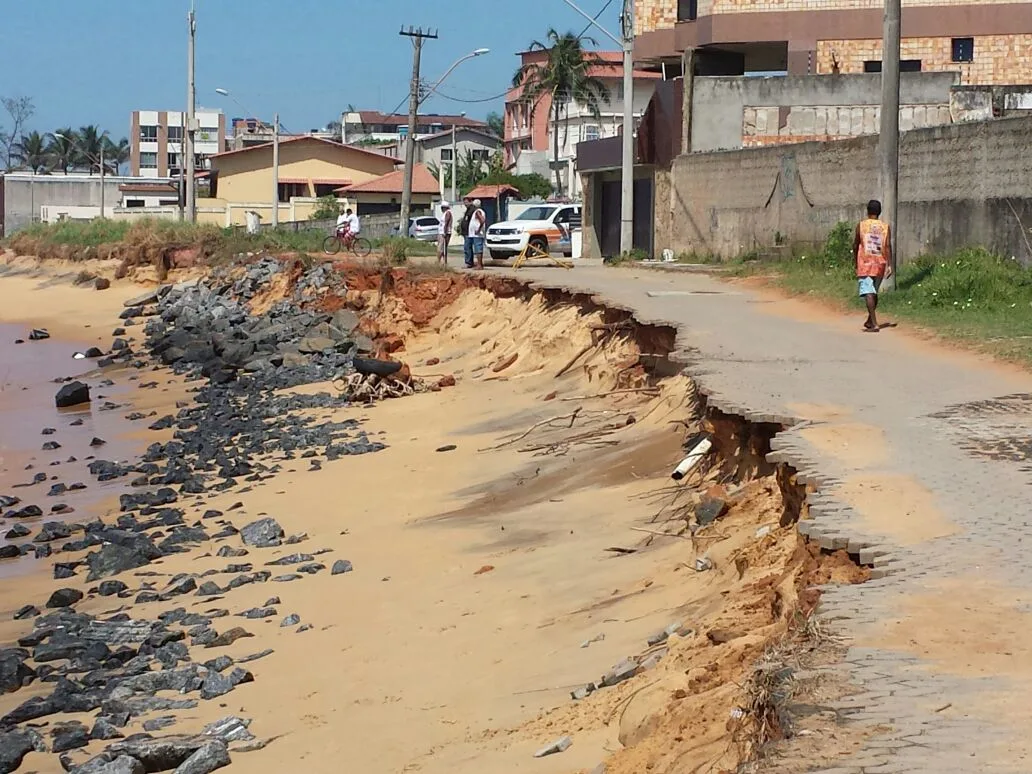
[{"x": 399, "y": 119}]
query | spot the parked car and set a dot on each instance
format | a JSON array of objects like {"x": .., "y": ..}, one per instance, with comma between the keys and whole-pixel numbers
[
  {"x": 546, "y": 226},
  {"x": 422, "y": 227}
]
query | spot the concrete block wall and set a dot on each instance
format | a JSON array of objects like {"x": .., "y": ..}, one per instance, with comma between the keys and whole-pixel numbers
[
  {"x": 960, "y": 185},
  {"x": 764, "y": 126},
  {"x": 998, "y": 59}
]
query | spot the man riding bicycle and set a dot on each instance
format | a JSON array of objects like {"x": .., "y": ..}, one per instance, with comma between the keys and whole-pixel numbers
[{"x": 348, "y": 225}]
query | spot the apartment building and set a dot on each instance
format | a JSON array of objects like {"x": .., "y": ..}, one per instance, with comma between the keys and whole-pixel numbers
[
  {"x": 156, "y": 138},
  {"x": 372, "y": 126},
  {"x": 987, "y": 43},
  {"x": 531, "y": 131}
]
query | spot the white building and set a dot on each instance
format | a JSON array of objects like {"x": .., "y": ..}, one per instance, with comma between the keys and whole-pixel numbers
[{"x": 156, "y": 138}]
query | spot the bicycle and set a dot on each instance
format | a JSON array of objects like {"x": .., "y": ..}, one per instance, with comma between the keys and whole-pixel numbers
[{"x": 360, "y": 246}]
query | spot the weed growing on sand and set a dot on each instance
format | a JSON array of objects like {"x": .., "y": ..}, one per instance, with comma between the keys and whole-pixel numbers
[{"x": 970, "y": 295}]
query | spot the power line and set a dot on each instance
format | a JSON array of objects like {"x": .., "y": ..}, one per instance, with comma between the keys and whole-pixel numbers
[{"x": 589, "y": 26}]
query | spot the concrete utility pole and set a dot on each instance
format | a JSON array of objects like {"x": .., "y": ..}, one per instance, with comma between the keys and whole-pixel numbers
[
  {"x": 418, "y": 36},
  {"x": 888, "y": 139},
  {"x": 627, "y": 166},
  {"x": 275, "y": 171},
  {"x": 102, "y": 176},
  {"x": 454, "y": 165},
  {"x": 626, "y": 41},
  {"x": 191, "y": 103}
]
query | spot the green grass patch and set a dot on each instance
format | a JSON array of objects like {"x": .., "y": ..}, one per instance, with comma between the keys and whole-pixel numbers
[{"x": 970, "y": 296}]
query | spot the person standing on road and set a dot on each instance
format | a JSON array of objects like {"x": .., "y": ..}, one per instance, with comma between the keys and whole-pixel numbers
[
  {"x": 467, "y": 240},
  {"x": 872, "y": 252},
  {"x": 478, "y": 232},
  {"x": 444, "y": 233}
]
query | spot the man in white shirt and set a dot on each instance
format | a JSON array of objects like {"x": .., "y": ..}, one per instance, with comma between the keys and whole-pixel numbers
[
  {"x": 354, "y": 225},
  {"x": 444, "y": 233},
  {"x": 478, "y": 232}
]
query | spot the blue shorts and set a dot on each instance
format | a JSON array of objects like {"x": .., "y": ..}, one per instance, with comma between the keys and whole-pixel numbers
[
  {"x": 478, "y": 245},
  {"x": 869, "y": 286}
]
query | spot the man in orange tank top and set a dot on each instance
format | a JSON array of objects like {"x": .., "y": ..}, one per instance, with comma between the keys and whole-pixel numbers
[{"x": 872, "y": 252}]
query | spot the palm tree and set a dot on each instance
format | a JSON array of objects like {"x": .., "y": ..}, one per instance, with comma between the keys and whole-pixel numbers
[
  {"x": 31, "y": 151},
  {"x": 91, "y": 141},
  {"x": 116, "y": 155},
  {"x": 565, "y": 77},
  {"x": 62, "y": 149}
]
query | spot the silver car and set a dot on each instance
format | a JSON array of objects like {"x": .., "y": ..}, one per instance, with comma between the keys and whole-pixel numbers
[{"x": 424, "y": 227}]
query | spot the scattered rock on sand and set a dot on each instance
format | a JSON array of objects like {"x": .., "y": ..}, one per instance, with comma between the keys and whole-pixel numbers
[
  {"x": 102, "y": 283},
  {"x": 291, "y": 620},
  {"x": 38, "y": 334},
  {"x": 72, "y": 394},
  {"x": 28, "y": 611},
  {"x": 15, "y": 745},
  {"x": 559, "y": 745},
  {"x": 64, "y": 598},
  {"x": 341, "y": 566},
  {"x": 263, "y": 533},
  {"x": 229, "y": 637},
  {"x": 69, "y": 736}
]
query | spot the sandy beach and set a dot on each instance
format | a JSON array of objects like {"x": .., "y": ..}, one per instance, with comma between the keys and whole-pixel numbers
[{"x": 511, "y": 544}]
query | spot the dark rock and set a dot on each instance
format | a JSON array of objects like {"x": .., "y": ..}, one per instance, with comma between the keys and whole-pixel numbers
[
  {"x": 51, "y": 446},
  {"x": 63, "y": 570},
  {"x": 209, "y": 589},
  {"x": 146, "y": 596},
  {"x": 341, "y": 566},
  {"x": 259, "y": 612},
  {"x": 215, "y": 685},
  {"x": 64, "y": 598},
  {"x": 14, "y": 672},
  {"x": 125, "y": 551},
  {"x": 293, "y": 576},
  {"x": 17, "y": 531},
  {"x": 262, "y": 533},
  {"x": 97, "y": 442},
  {"x": 228, "y": 637},
  {"x": 48, "y": 431},
  {"x": 52, "y": 530},
  {"x": 710, "y": 508},
  {"x": 72, "y": 394},
  {"x": 255, "y": 656},
  {"x": 38, "y": 334},
  {"x": 311, "y": 569},
  {"x": 219, "y": 664},
  {"x": 240, "y": 675},
  {"x": 9, "y": 552},
  {"x": 291, "y": 559},
  {"x": 161, "y": 753},
  {"x": 157, "y": 724},
  {"x": 93, "y": 353},
  {"x": 104, "y": 729},
  {"x": 15, "y": 745},
  {"x": 304, "y": 628},
  {"x": 119, "y": 344},
  {"x": 181, "y": 586},
  {"x": 164, "y": 423},
  {"x": 291, "y": 620},
  {"x": 229, "y": 551},
  {"x": 43, "y": 551},
  {"x": 230, "y": 729},
  {"x": 111, "y": 587},
  {"x": 69, "y": 736},
  {"x": 28, "y": 512},
  {"x": 212, "y": 756},
  {"x": 28, "y": 611}
]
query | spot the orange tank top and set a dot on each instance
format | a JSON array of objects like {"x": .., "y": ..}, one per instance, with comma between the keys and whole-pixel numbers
[{"x": 870, "y": 258}]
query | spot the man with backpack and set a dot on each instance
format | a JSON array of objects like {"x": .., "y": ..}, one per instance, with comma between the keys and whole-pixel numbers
[{"x": 463, "y": 230}]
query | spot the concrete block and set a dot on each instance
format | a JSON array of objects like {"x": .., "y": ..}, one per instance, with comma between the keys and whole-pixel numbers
[
  {"x": 820, "y": 126},
  {"x": 906, "y": 118},
  {"x": 856, "y": 121},
  {"x": 870, "y": 121}
]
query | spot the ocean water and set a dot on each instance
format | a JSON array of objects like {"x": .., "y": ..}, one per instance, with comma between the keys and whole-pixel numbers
[{"x": 27, "y": 390}]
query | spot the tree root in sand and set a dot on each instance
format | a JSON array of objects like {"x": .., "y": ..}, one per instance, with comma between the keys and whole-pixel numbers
[{"x": 360, "y": 388}]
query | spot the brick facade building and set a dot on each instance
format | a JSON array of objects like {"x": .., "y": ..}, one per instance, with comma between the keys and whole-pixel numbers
[{"x": 988, "y": 43}]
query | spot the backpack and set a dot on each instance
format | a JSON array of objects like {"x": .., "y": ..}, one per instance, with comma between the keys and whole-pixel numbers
[{"x": 464, "y": 223}]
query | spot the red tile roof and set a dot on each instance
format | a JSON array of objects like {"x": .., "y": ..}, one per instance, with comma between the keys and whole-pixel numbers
[
  {"x": 393, "y": 182},
  {"x": 301, "y": 138},
  {"x": 491, "y": 191}
]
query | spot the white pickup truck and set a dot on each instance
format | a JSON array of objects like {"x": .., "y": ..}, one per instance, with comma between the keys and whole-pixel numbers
[{"x": 546, "y": 226}]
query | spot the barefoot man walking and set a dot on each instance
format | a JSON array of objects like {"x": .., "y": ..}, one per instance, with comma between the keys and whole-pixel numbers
[{"x": 872, "y": 252}]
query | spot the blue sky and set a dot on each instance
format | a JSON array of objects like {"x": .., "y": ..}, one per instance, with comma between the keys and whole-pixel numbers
[{"x": 94, "y": 62}]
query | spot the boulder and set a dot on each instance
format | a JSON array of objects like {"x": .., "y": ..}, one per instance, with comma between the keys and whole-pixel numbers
[
  {"x": 69, "y": 736},
  {"x": 102, "y": 283},
  {"x": 14, "y": 672},
  {"x": 113, "y": 559},
  {"x": 72, "y": 394},
  {"x": 15, "y": 745},
  {"x": 340, "y": 567},
  {"x": 9, "y": 552},
  {"x": 105, "y": 764},
  {"x": 64, "y": 598},
  {"x": 111, "y": 587},
  {"x": 262, "y": 533},
  {"x": 53, "y": 530},
  {"x": 160, "y": 754},
  {"x": 38, "y": 334},
  {"x": 213, "y": 755}
]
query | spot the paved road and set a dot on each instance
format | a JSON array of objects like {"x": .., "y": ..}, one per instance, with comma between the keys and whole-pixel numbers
[{"x": 920, "y": 456}]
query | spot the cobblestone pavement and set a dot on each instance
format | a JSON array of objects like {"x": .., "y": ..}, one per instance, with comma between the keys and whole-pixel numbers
[{"x": 953, "y": 512}]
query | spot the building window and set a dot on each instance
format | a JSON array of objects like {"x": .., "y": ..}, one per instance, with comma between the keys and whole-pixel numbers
[
  {"x": 905, "y": 66},
  {"x": 482, "y": 155},
  {"x": 173, "y": 161},
  {"x": 687, "y": 10},
  {"x": 148, "y": 159},
  {"x": 175, "y": 133},
  {"x": 445, "y": 154},
  {"x": 963, "y": 49},
  {"x": 288, "y": 190},
  {"x": 149, "y": 133},
  {"x": 135, "y": 203},
  {"x": 591, "y": 132}
]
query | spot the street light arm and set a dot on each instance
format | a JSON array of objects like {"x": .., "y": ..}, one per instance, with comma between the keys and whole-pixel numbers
[
  {"x": 450, "y": 70},
  {"x": 595, "y": 23}
]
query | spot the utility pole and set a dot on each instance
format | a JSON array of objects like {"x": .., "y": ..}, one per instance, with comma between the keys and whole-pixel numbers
[
  {"x": 191, "y": 102},
  {"x": 275, "y": 171},
  {"x": 102, "y": 177},
  {"x": 454, "y": 166},
  {"x": 627, "y": 167},
  {"x": 888, "y": 139},
  {"x": 418, "y": 35}
]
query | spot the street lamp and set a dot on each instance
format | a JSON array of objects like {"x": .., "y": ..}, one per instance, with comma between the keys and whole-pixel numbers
[
  {"x": 275, "y": 154},
  {"x": 90, "y": 159},
  {"x": 410, "y": 146}
]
